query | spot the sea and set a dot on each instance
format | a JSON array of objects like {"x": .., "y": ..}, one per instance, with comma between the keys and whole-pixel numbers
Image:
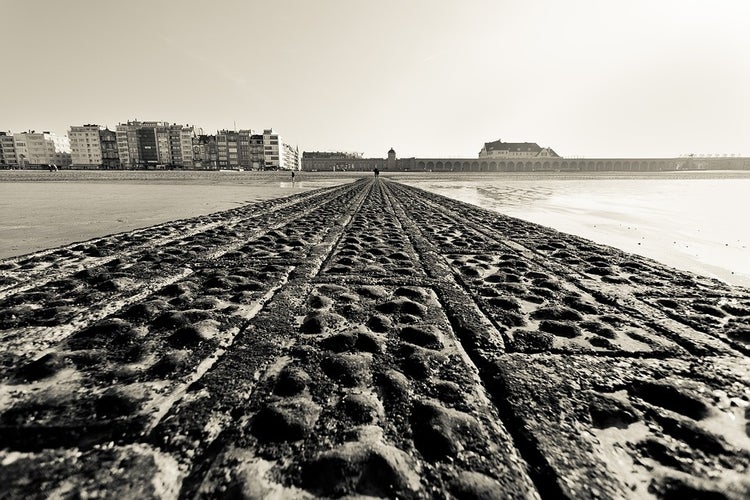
[{"x": 696, "y": 221}]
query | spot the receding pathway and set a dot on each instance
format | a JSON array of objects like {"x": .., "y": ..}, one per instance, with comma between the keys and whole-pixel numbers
[{"x": 369, "y": 339}]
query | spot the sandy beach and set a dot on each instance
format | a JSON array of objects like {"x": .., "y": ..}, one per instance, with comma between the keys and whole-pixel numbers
[
  {"x": 373, "y": 339},
  {"x": 689, "y": 220},
  {"x": 41, "y": 210}
]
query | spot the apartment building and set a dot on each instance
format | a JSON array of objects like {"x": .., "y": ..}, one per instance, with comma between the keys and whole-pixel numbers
[
  {"x": 155, "y": 145},
  {"x": 35, "y": 149},
  {"x": 272, "y": 147},
  {"x": 205, "y": 152},
  {"x": 85, "y": 146},
  {"x": 110, "y": 156},
  {"x": 290, "y": 157},
  {"x": 8, "y": 158},
  {"x": 234, "y": 149},
  {"x": 246, "y": 150},
  {"x": 257, "y": 157},
  {"x": 127, "y": 144}
]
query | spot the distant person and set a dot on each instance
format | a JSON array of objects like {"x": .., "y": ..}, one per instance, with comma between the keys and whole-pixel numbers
[
  {"x": 292, "y": 175},
  {"x": 376, "y": 171}
]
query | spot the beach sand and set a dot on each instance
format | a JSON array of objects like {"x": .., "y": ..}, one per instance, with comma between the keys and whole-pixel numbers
[
  {"x": 41, "y": 210},
  {"x": 693, "y": 221},
  {"x": 368, "y": 339}
]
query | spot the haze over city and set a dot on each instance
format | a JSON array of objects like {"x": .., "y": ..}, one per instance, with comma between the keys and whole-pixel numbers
[{"x": 585, "y": 77}]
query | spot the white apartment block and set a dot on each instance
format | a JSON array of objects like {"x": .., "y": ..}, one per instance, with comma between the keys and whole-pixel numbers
[
  {"x": 290, "y": 157},
  {"x": 272, "y": 147},
  {"x": 85, "y": 146},
  {"x": 44, "y": 148},
  {"x": 185, "y": 141}
]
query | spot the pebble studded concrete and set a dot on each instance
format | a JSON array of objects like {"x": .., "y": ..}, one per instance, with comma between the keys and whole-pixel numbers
[{"x": 370, "y": 339}]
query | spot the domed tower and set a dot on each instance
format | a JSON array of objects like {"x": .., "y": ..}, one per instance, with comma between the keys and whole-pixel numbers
[{"x": 391, "y": 159}]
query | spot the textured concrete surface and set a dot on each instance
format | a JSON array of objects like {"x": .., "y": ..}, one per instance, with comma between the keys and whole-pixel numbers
[{"x": 368, "y": 339}]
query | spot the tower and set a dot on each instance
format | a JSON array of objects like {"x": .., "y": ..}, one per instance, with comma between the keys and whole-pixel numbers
[{"x": 391, "y": 159}]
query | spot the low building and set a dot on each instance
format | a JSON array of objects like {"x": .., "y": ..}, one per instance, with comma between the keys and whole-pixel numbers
[{"x": 322, "y": 161}]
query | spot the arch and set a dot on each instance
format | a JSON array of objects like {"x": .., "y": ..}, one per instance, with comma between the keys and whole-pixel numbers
[
  {"x": 475, "y": 166},
  {"x": 546, "y": 165},
  {"x": 599, "y": 165},
  {"x": 465, "y": 166},
  {"x": 421, "y": 165},
  {"x": 528, "y": 167},
  {"x": 511, "y": 166},
  {"x": 502, "y": 166},
  {"x": 430, "y": 165},
  {"x": 483, "y": 166},
  {"x": 537, "y": 165},
  {"x": 608, "y": 165},
  {"x": 493, "y": 166},
  {"x": 439, "y": 165}
]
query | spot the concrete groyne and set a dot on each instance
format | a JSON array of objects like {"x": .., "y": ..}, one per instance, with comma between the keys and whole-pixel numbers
[{"x": 370, "y": 339}]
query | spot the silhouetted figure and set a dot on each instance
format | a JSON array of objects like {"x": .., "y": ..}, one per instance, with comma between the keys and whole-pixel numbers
[{"x": 376, "y": 171}]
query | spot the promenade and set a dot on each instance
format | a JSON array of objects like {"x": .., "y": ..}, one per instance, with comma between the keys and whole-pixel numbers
[{"x": 368, "y": 339}]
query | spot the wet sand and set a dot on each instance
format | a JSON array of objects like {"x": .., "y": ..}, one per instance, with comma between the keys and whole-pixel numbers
[
  {"x": 41, "y": 210},
  {"x": 691, "y": 220},
  {"x": 368, "y": 339}
]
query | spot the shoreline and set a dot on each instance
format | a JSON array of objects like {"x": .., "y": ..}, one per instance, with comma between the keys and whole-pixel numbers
[
  {"x": 40, "y": 224},
  {"x": 239, "y": 176}
]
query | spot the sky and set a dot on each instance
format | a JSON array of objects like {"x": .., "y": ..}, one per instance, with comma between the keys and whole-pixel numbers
[{"x": 588, "y": 78}]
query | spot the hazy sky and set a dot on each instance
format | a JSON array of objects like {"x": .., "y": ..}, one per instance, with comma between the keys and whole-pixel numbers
[{"x": 429, "y": 78}]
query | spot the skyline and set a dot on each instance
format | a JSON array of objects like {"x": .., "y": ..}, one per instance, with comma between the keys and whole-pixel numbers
[{"x": 587, "y": 78}]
